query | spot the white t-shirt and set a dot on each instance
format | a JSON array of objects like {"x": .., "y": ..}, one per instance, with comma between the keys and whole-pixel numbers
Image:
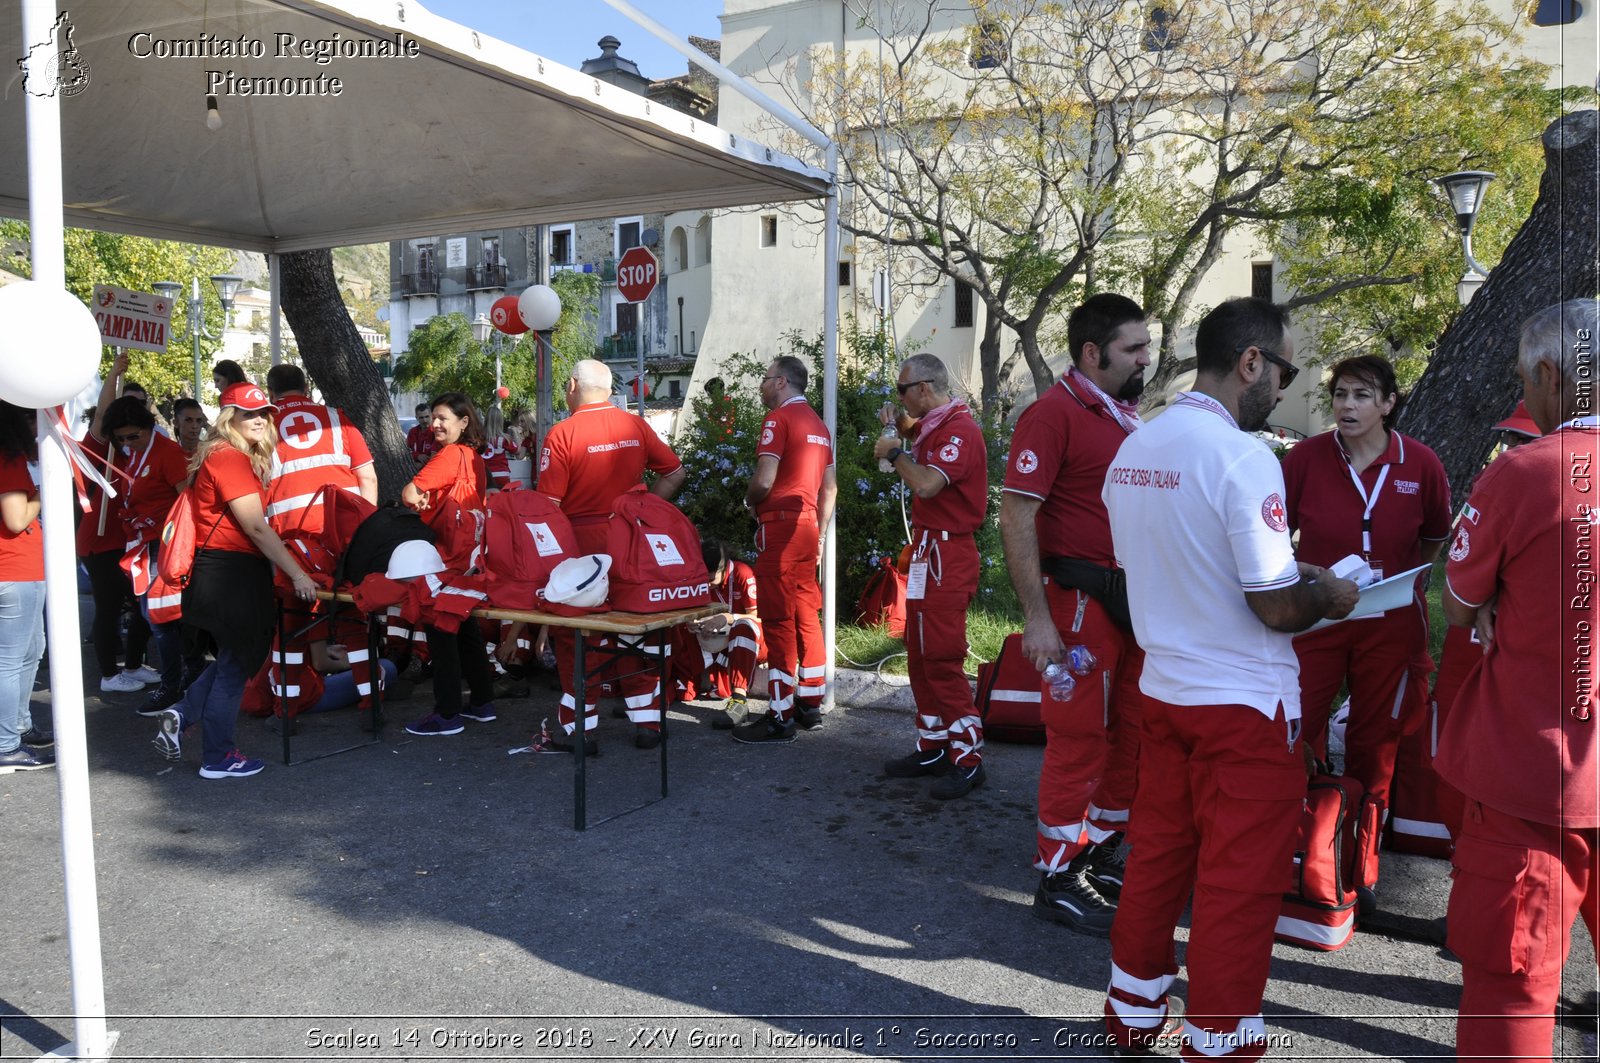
[{"x": 1197, "y": 519}]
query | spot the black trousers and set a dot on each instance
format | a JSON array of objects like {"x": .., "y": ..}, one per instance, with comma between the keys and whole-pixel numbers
[
  {"x": 458, "y": 655},
  {"x": 112, "y": 594}
]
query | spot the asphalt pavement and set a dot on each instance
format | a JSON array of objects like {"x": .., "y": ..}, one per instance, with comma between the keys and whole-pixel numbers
[{"x": 429, "y": 898}]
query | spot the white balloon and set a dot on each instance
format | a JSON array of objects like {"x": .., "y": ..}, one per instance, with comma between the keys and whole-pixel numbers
[
  {"x": 540, "y": 307},
  {"x": 49, "y": 345}
]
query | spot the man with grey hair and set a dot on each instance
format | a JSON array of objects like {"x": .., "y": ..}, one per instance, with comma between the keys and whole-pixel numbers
[
  {"x": 947, "y": 472},
  {"x": 596, "y": 454},
  {"x": 1520, "y": 740}
]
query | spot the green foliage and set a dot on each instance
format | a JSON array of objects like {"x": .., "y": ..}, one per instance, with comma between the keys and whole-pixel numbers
[
  {"x": 443, "y": 356},
  {"x": 136, "y": 263},
  {"x": 718, "y": 445}
]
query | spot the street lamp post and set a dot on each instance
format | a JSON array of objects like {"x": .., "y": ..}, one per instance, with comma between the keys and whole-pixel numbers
[
  {"x": 227, "y": 286},
  {"x": 1465, "y": 189},
  {"x": 484, "y": 332}
]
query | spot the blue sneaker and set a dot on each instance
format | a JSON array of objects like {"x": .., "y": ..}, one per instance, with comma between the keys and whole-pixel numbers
[
  {"x": 168, "y": 741},
  {"x": 234, "y": 766},
  {"x": 433, "y": 724},
  {"x": 482, "y": 713}
]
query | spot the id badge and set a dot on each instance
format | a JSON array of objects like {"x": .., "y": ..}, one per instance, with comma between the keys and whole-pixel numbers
[{"x": 917, "y": 581}]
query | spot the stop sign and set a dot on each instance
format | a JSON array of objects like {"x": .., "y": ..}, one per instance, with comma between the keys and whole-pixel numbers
[{"x": 636, "y": 274}]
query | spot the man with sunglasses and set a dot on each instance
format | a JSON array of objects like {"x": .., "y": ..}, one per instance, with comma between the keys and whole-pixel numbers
[
  {"x": 1058, "y": 551},
  {"x": 947, "y": 471},
  {"x": 1197, "y": 514},
  {"x": 791, "y": 493}
]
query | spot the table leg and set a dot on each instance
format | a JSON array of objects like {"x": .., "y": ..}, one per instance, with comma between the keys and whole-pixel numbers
[
  {"x": 664, "y": 671},
  {"x": 580, "y": 787},
  {"x": 280, "y": 699}
]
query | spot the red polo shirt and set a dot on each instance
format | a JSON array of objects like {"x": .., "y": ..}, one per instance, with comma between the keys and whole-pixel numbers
[
  {"x": 420, "y": 442},
  {"x": 454, "y": 472},
  {"x": 1060, "y": 451},
  {"x": 90, "y": 539},
  {"x": 224, "y": 475},
  {"x": 1407, "y": 489},
  {"x": 21, "y": 555},
  {"x": 738, "y": 591},
  {"x": 955, "y": 450},
  {"x": 158, "y": 475},
  {"x": 595, "y": 455},
  {"x": 796, "y": 436},
  {"x": 1514, "y": 739}
]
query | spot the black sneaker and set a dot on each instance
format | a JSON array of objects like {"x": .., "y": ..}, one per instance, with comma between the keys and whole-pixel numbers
[
  {"x": 808, "y": 719},
  {"x": 163, "y": 698},
  {"x": 591, "y": 748},
  {"x": 1067, "y": 897},
  {"x": 24, "y": 759},
  {"x": 916, "y": 764},
  {"x": 34, "y": 738},
  {"x": 1366, "y": 900},
  {"x": 767, "y": 728},
  {"x": 1107, "y": 862},
  {"x": 959, "y": 781},
  {"x": 646, "y": 737},
  {"x": 731, "y": 713}
]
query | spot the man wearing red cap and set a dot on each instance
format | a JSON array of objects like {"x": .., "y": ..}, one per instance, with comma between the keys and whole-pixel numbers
[
  {"x": 1520, "y": 741},
  {"x": 596, "y": 454}
]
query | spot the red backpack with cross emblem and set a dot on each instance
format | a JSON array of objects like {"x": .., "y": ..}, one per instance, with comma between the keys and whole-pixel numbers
[
  {"x": 656, "y": 565},
  {"x": 525, "y": 537}
]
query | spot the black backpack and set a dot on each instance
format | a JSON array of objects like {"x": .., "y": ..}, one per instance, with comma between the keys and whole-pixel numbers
[{"x": 375, "y": 539}]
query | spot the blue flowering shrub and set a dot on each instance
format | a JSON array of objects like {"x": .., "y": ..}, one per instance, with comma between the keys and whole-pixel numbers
[{"x": 718, "y": 445}]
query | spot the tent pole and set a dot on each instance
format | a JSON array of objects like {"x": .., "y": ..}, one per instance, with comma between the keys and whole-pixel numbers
[
  {"x": 830, "y": 413},
  {"x": 274, "y": 301},
  {"x": 47, "y": 238}
]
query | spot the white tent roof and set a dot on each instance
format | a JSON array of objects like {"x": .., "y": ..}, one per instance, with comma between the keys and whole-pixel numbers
[{"x": 473, "y": 133}]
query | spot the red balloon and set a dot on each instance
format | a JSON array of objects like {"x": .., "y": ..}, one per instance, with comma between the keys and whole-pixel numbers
[
  {"x": 506, "y": 317},
  {"x": 639, "y": 383},
  {"x": 503, "y": 391}
]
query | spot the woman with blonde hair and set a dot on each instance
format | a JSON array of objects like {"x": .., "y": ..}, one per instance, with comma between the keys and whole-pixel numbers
[{"x": 229, "y": 593}]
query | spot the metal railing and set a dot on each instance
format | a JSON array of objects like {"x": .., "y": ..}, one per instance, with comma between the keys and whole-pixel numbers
[
  {"x": 419, "y": 283},
  {"x": 485, "y": 276}
]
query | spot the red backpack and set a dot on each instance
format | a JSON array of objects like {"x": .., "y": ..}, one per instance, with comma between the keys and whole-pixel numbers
[
  {"x": 1337, "y": 830},
  {"x": 179, "y": 540},
  {"x": 1010, "y": 696},
  {"x": 656, "y": 563},
  {"x": 883, "y": 600},
  {"x": 525, "y": 536}
]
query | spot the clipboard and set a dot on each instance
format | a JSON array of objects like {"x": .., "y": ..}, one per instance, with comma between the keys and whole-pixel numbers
[{"x": 1380, "y": 597}]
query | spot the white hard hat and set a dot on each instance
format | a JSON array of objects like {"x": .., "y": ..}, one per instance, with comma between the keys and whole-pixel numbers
[
  {"x": 414, "y": 558},
  {"x": 582, "y": 582}
]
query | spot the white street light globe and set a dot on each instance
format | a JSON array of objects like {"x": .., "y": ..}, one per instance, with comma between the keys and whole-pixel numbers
[
  {"x": 49, "y": 345},
  {"x": 540, "y": 307}
]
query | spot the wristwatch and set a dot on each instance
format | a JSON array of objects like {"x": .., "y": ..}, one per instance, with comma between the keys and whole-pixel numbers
[{"x": 894, "y": 455}]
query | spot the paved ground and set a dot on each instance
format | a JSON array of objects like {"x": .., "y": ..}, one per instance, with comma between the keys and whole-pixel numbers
[{"x": 429, "y": 898}]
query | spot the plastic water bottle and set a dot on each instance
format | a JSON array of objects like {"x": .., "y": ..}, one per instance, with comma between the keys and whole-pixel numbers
[
  {"x": 889, "y": 432},
  {"x": 1080, "y": 661},
  {"x": 1059, "y": 677}
]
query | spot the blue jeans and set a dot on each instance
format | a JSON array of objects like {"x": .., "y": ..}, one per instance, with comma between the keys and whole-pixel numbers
[
  {"x": 213, "y": 700},
  {"x": 21, "y": 646}
]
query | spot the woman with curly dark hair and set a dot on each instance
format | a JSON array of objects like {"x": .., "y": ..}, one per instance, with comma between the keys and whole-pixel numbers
[{"x": 22, "y": 747}]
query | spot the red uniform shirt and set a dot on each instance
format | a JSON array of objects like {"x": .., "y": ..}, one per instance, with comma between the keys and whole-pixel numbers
[
  {"x": 953, "y": 448},
  {"x": 158, "y": 472},
  {"x": 796, "y": 436},
  {"x": 21, "y": 555},
  {"x": 595, "y": 455},
  {"x": 91, "y": 540},
  {"x": 1410, "y": 502},
  {"x": 1060, "y": 451},
  {"x": 318, "y": 447},
  {"x": 421, "y": 442},
  {"x": 738, "y": 592},
  {"x": 453, "y": 473},
  {"x": 226, "y": 474},
  {"x": 1527, "y": 539}
]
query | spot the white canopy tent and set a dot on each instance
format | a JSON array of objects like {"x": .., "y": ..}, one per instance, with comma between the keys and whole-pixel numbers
[{"x": 457, "y": 131}]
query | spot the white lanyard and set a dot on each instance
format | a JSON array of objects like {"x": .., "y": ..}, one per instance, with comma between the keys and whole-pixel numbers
[
  {"x": 135, "y": 470},
  {"x": 1372, "y": 502}
]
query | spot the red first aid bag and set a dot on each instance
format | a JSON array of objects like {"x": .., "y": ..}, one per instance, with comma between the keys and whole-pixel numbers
[
  {"x": 883, "y": 600},
  {"x": 656, "y": 565},
  {"x": 1339, "y": 824},
  {"x": 525, "y": 536},
  {"x": 1009, "y": 696},
  {"x": 180, "y": 540}
]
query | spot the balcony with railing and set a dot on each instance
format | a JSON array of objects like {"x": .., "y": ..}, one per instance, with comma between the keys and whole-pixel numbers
[
  {"x": 421, "y": 283},
  {"x": 485, "y": 276},
  {"x": 624, "y": 347}
]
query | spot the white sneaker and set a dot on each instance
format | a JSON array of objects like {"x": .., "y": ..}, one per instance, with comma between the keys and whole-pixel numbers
[
  {"x": 121, "y": 683},
  {"x": 144, "y": 674}
]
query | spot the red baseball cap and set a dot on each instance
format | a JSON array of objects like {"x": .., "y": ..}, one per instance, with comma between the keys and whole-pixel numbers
[
  {"x": 1520, "y": 422},
  {"x": 246, "y": 397}
]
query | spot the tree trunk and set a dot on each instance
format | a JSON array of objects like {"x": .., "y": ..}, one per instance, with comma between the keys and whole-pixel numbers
[
  {"x": 989, "y": 366},
  {"x": 1471, "y": 381},
  {"x": 337, "y": 360}
]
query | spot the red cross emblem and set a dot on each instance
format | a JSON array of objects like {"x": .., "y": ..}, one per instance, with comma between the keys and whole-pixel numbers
[{"x": 1274, "y": 514}]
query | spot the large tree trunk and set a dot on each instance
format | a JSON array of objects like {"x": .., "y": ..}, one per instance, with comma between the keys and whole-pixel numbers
[
  {"x": 989, "y": 367},
  {"x": 338, "y": 362},
  {"x": 1471, "y": 380}
]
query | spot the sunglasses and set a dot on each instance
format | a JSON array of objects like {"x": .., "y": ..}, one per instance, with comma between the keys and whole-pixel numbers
[
  {"x": 1288, "y": 369},
  {"x": 903, "y": 388},
  {"x": 126, "y": 437}
]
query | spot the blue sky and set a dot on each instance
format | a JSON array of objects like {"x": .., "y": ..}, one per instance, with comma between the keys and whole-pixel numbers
[{"x": 566, "y": 30}]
